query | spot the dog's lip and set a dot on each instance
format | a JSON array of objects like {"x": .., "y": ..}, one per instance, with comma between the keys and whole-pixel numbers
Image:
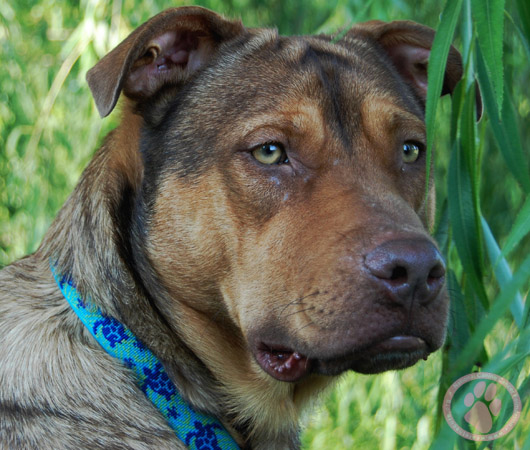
[
  {"x": 400, "y": 343},
  {"x": 392, "y": 353},
  {"x": 282, "y": 363},
  {"x": 395, "y": 352}
]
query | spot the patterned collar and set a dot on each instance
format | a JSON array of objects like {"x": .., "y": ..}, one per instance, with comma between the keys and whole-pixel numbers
[{"x": 197, "y": 431}]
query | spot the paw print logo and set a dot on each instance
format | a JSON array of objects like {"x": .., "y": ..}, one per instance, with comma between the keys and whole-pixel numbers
[
  {"x": 112, "y": 331},
  {"x": 483, "y": 406},
  {"x": 173, "y": 413},
  {"x": 204, "y": 435},
  {"x": 479, "y": 404},
  {"x": 158, "y": 381}
]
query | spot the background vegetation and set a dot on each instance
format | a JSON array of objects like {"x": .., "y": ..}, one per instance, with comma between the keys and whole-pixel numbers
[{"x": 49, "y": 128}]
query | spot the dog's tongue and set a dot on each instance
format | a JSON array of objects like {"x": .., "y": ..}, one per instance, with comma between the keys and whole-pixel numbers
[{"x": 283, "y": 365}]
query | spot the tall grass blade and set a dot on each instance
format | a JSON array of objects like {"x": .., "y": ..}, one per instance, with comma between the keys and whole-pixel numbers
[
  {"x": 523, "y": 8},
  {"x": 512, "y": 356},
  {"x": 436, "y": 71},
  {"x": 458, "y": 329},
  {"x": 504, "y": 127},
  {"x": 446, "y": 438},
  {"x": 520, "y": 229},
  {"x": 503, "y": 274},
  {"x": 489, "y": 22},
  {"x": 524, "y": 39},
  {"x": 463, "y": 208},
  {"x": 497, "y": 310},
  {"x": 49, "y": 101}
]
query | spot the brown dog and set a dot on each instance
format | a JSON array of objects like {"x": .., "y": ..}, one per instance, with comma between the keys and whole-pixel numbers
[{"x": 257, "y": 220}]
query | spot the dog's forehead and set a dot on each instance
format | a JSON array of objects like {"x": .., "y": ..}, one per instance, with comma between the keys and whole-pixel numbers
[
  {"x": 301, "y": 65},
  {"x": 268, "y": 75},
  {"x": 260, "y": 78},
  {"x": 267, "y": 70}
]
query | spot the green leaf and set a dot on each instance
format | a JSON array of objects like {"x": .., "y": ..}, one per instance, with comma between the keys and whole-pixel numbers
[
  {"x": 504, "y": 127},
  {"x": 468, "y": 142},
  {"x": 523, "y": 8},
  {"x": 497, "y": 310},
  {"x": 458, "y": 330},
  {"x": 509, "y": 358},
  {"x": 524, "y": 38},
  {"x": 441, "y": 234},
  {"x": 520, "y": 229},
  {"x": 502, "y": 271},
  {"x": 463, "y": 208},
  {"x": 436, "y": 71},
  {"x": 524, "y": 392},
  {"x": 446, "y": 438},
  {"x": 489, "y": 22},
  {"x": 526, "y": 314}
]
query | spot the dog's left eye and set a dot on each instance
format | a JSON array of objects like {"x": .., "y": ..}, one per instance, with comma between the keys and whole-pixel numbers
[
  {"x": 271, "y": 153},
  {"x": 411, "y": 152}
]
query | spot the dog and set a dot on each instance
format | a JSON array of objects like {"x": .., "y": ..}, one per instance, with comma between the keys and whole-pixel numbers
[{"x": 258, "y": 221}]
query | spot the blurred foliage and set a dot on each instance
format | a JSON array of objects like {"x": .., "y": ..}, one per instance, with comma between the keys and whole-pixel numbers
[{"x": 49, "y": 128}]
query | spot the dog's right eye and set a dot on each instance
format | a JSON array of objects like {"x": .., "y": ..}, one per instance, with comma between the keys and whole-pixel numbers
[
  {"x": 411, "y": 152},
  {"x": 270, "y": 154}
]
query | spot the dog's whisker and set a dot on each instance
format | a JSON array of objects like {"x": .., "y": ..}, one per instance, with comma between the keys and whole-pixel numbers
[
  {"x": 298, "y": 301},
  {"x": 305, "y": 326},
  {"x": 311, "y": 308}
]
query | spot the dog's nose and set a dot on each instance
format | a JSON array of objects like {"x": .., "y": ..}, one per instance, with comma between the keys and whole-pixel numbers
[{"x": 409, "y": 270}]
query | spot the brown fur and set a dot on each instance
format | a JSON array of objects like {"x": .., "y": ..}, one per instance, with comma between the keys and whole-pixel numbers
[{"x": 205, "y": 253}]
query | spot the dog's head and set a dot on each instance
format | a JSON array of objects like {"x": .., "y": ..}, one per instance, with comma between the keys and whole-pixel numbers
[{"x": 281, "y": 210}]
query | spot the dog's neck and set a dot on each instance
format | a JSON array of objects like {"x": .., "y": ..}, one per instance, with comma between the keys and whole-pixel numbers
[
  {"x": 117, "y": 340},
  {"x": 114, "y": 283}
]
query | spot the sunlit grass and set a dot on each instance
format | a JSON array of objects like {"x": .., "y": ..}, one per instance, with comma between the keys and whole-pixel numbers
[{"x": 392, "y": 410}]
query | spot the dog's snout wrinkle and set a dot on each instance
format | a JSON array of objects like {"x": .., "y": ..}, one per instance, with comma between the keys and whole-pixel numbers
[{"x": 408, "y": 270}]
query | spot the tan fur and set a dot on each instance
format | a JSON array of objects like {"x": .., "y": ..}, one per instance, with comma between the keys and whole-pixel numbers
[
  {"x": 217, "y": 262},
  {"x": 127, "y": 159}
]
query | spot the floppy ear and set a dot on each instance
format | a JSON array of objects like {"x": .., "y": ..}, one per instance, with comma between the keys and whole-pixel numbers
[
  {"x": 165, "y": 50},
  {"x": 408, "y": 44}
]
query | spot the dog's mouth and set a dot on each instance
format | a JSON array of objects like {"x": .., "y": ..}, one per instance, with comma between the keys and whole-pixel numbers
[
  {"x": 396, "y": 352},
  {"x": 282, "y": 363}
]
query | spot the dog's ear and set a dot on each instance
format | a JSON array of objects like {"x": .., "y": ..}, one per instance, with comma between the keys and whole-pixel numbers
[
  {"x": 166, "y": 49},
  {"x": 408, "y": 44}
]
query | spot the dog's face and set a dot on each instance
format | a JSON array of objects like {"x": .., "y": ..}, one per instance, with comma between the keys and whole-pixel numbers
[{"x": 283, "y": 192}]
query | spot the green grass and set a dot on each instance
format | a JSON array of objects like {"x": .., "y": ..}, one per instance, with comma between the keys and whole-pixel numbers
[{"x": 49, "y": 128}]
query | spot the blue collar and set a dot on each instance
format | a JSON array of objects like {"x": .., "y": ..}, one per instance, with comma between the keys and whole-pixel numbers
[{"x": 196, "y": 430}]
